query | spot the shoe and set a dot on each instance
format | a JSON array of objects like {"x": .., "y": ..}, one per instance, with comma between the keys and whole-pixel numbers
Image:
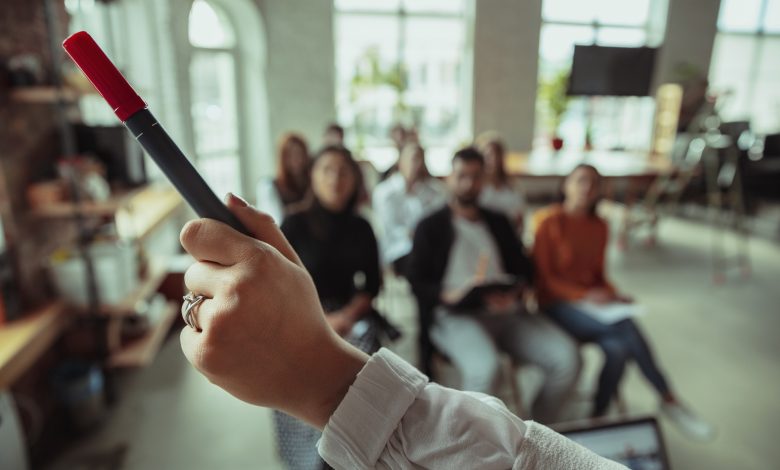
[{"x": 688, "y": 422}]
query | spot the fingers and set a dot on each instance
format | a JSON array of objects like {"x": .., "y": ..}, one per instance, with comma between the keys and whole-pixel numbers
[
  {"x": 262, "y": 226},
  {"x": 210, "y": 240},
  {"x": 206, "y": 278}
]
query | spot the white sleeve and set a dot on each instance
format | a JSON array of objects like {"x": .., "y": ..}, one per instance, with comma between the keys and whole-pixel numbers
[
  {"x": 392, "y": 418},
  {"x": 268, "y": 200}
]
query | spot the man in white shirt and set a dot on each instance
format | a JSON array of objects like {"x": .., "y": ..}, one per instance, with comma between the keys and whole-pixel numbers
[
  {"x": 463, "y": 246},
  {"x": 401, "y": 201}
]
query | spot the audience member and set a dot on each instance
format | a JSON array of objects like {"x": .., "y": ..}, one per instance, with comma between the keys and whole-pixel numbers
[
  {"x": 572, "y": 288},
  {"x": 401, "y": 201},
  {"x": 278, "y": 196},
  {"x": 338, "y": 249},
  {"x": 498, "y": 192},
  {"x": 333, "y": 135},
  {"x": 462, "y": 246}
]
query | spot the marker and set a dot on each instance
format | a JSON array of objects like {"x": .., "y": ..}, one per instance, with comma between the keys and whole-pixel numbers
[{"x": 134, "y": 114}]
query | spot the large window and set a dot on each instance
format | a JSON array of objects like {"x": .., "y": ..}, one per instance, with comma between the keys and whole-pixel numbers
[
  {"x": 745, "y": 68},
  {"x": 610, "y": 122},
  {"x": 401, "y": 61},
  {"x": 213, "y": 102}
]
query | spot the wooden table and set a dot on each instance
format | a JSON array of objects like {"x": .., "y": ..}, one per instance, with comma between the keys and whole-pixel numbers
[
  {"x": 23, "y": 341},
  {"x": 611, "y": 164}
]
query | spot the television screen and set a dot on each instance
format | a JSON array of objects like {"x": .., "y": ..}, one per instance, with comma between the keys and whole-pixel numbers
[{"x": 611, "y": 71}]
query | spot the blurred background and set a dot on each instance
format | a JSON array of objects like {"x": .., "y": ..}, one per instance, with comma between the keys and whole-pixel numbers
[{"x": 675, "y": 102}]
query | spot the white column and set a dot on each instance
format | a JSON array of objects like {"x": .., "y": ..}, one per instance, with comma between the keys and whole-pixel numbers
[{"x": 506, "y": 51}]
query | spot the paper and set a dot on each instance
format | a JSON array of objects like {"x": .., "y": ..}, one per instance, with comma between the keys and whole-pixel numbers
[{"x": 612, "y": 312}]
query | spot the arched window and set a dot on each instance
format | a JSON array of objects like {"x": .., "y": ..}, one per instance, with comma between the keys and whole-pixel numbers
[{"x": 213, "y": 101}]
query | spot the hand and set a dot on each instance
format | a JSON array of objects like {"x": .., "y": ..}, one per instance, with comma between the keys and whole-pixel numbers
[
  {"x": 599, "y": 296},
  {"x": 453, "y": 296},
  {"x": 264, "y": 338},
  {"x": 500, "y": 302},
  {"x": 626, "y": 299},
  {"x": 341, "y": 322}
]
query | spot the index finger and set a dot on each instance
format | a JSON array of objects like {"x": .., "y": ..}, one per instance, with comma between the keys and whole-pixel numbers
[{"x": 210, "y": 240}]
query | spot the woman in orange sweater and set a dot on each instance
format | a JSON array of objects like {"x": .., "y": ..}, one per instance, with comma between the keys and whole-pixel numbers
[{"x": 569, "y": 253}]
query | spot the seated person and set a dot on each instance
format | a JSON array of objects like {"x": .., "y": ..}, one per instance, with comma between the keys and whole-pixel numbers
[
  {"x": 498, "y": 192},
  {"x": 338, "y": 249},
  {"x": 569, "y": 251},
  {"x": 463, "y": 245},
  {"x": 401, "y": 201},
  {"x": 278, "y": 196}
]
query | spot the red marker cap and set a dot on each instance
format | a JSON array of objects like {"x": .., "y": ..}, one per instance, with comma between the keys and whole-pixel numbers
[{"x": 103, "y": 74}]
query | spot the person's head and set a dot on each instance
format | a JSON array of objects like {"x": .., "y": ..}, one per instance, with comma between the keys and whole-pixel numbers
[
  {"x": 465, "y": 180},
  {"x": 292, "y": 170},
  {"x": 492, "y": 147},
  {"x": 334, "y": 178},
  {"x": 334, "y": 135},
  {"x": 582, "y": 189},
  {"x": 411, "y": 163}
]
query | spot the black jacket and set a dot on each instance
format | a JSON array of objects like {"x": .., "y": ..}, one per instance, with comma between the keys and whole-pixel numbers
[{"x": 433, "y": 241}]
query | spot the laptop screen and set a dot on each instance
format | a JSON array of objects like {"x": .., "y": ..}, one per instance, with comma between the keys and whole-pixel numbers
[{"x": 637, "y": 444}]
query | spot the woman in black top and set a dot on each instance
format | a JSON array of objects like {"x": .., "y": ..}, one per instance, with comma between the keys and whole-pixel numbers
[{"x": 339, "y": 250}]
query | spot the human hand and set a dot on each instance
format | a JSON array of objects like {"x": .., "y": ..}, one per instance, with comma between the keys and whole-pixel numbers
[
  {"x": 599, "y": 296},
  {"x": 264, "y": 338},
  {"x": 453, "y": 296},
  {"x": 500, "y": 302},
  {"x": 626, "y": 299}
]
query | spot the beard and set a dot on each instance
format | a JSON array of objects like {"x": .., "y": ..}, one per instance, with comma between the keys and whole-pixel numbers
[{"x": 467, "y": 200}]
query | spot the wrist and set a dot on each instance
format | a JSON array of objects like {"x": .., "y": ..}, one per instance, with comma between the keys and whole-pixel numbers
[{"x": 341, "y": 366}]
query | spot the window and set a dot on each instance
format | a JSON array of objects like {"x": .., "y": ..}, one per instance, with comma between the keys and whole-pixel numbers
[
  {"x": 745, "y": 70},
  {"x": 611, "y": 122},
  {"x": 400, "y": 61},
  {"x": 213, "y": 104}
]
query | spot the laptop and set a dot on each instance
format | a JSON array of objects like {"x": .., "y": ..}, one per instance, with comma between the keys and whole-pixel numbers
[{"x": 636, "y": 443}]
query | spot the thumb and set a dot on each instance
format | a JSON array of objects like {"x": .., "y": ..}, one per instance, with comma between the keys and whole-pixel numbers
[{"x": 261, "y": 226}]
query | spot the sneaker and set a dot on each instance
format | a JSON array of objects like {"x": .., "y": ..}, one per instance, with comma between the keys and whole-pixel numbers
[{"x": 688, "y": 422}]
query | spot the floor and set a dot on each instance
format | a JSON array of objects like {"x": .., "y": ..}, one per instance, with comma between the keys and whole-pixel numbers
[{"x": 718, "y": 344}]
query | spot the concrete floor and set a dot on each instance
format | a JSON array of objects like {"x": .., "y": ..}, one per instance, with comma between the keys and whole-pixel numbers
[{"x": 718, "y": 345}]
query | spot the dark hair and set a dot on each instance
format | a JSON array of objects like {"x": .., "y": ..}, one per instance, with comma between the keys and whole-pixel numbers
[
  {"x": 333, "y": 127},
  {"x": 347, "y": 155},
  {"x": 291, "y": 187},
  {"x": 500, "y": 152},
  {"x": 469, "y": 155},
  {"x": 591, "y": 168}
]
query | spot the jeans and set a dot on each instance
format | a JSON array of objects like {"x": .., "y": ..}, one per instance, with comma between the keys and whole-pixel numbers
[
  {"x": 620, "y": 342},
  {"x": 472, "y": 343}
]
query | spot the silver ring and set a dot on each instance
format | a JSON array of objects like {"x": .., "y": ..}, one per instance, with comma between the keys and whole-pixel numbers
[{"x": 191, "y": 301}]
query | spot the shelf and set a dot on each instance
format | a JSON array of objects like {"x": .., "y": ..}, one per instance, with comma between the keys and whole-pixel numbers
[
  {"x": 68, "y": 209},
  {"x": 24, "y": 340},
  {"x": 142, "y": 351},
  {"x": 137, "y": 212},
  {"x": 148, "y": 286},
  {"x": 44, "y": 94},
  {"x": 146, "y": 210}
]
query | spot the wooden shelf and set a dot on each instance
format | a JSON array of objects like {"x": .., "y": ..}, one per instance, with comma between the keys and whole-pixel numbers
[
  {"x": 146, "y": 210},
  {"x": 137, "y": 212},
  {"x": 145, "y": 289},
  {"x": 68, "y": 209},
  {"x": 142, "y": 351},
  {"x": 44, "y": 94},
  {"x": 23, "y": 341}
]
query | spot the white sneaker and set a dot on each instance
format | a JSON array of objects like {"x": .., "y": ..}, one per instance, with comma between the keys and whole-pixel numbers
[{"x": 688, "y": 422}]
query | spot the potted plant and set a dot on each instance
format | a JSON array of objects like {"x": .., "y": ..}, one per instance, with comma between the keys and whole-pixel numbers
[{"x": 552, "y": 92}]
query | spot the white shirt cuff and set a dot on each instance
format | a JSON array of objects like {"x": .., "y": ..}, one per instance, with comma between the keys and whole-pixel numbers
[{"x": 359, "y": 429}]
